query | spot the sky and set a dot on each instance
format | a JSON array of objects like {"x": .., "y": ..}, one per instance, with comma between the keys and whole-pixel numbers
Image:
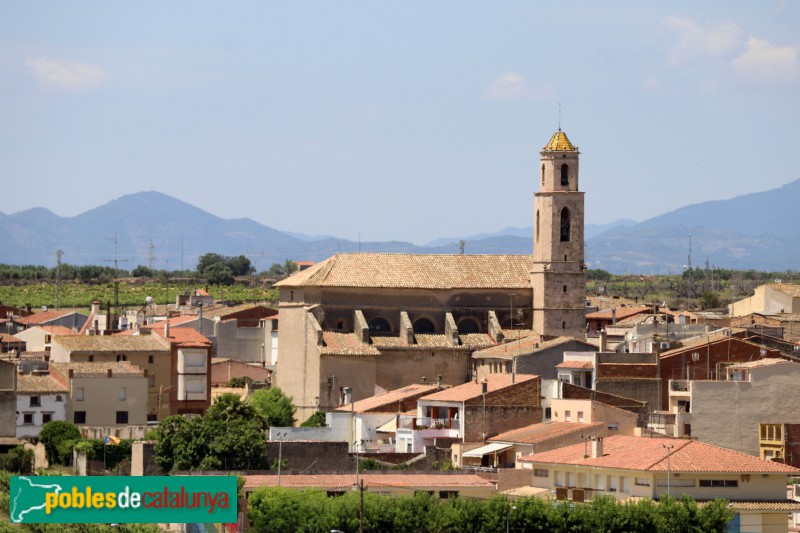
[{"x": 395, "y": 120}]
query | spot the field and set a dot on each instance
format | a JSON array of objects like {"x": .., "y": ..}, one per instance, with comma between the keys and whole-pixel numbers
[{"x": 132, "y": 293}]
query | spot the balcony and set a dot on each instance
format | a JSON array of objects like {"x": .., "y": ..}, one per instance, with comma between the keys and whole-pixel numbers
[
  {"x": 431, "y": 428},
  {"x": 662, "y": 422}
]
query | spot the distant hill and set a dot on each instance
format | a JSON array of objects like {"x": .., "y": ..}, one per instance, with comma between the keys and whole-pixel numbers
[{"x": 750, "y": 231}]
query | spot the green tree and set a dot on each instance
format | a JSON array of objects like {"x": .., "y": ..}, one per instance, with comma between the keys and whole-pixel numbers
[
  {"x": 206, "y": 260},
  {"x": 58, "y": 438},
  {"x": 230, "y": 436},
  {"x": 239, "y": 381},
  {"x": 218, "y": 274},
  {"x": 18, "y": 460},
  {"x": 274, "y": 406},
  {"x": 141, "y": 272},
  {"x": 317, "y": 420},
  {"x": 289, "y": 266}
]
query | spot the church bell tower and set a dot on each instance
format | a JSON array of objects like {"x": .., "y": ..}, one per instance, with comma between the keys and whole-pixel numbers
[{"x": 558, "y": 277}]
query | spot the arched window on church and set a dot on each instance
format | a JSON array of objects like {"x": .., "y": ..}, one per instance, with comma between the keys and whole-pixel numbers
[
  {"x": 542, "y": 173},
  {"x": 379, "y": 325},
  {"x": 468, "y": 325},
  {"x": 565, "y": 225},
  {"x": 565, "y": 174},
  {"x": 423, "y": 325},
  {"x": 536, "y": 240}
]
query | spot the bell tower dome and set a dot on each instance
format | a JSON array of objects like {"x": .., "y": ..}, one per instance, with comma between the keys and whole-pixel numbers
[{"x": 558, "y": 276}]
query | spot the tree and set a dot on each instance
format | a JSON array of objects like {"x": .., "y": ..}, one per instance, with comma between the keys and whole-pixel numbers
[
  {"x": 274, "y": 406},
  {"x": 19, "y": 460},
  {"x": 289, "y": 266},
  {"x": 58, "y": 438},
  {"x": 240, "y": 265},
  {"x": 317, "y": 420},
  {"x": 239, "y": 381},
  {"x": 206, "y": 260},
  {"x": 218, "y": 274},
  {"x": 141, "y": 272},
  {"x": 230, "y": 436}
]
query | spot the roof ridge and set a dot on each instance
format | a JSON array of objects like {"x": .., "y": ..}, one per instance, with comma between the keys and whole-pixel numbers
[{"x": 686, "y": 443}]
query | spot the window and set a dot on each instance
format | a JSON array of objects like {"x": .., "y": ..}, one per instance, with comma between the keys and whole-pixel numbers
[
  {"x": 542, "y": 173},
  {"x": 565, "y": 225},
  {"x": 47, "y": 417},
  {"x": 719, "y": 483},
  {"x": 122, "y": 417},
  {"x": 563, "y": 324},
  {"x": 468, "y": 325},
  {"x": 91, "y": 359},
  {"x": 541, "y": 472},
  {"x": 122, "y": 394},
  {"x": 79, "y": 417},
  {"x": 379, "y": 325},
  {"x": 340, "y": 325},
  {"x": 445, "y": 494},
  {"x": 565, "y": 288},
  {"x": 150, "y": 359},
  {"x": 35, "y": 401},
  {"x": 59, "y": 398},
  {"x": 151, "y": 380},
  {"x": 424, "y": 325},
  {"x": 580, "y": 416},
  {"x": 537, "y": 226},
  {"x": 548, "y": 412},
  {"x": 613, "y": 426},
  {"x": 335, "y": 493},
  {"x": 642, "y": 482},
  {"x": 27, "y": 419},
  {"x": 564, "y": 174},
  {"x": 568, "y": 416},
  {"x": 48, "y": 339},
  {"x": 79, "y": 394}
]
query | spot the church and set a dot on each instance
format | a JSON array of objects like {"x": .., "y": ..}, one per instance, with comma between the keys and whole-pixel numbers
[{"x": 377, "y": 321}]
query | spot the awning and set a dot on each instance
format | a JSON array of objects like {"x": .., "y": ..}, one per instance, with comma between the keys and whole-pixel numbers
[
  {"x": 389, "y": 427},
  {"x": 489, "y": 448}
]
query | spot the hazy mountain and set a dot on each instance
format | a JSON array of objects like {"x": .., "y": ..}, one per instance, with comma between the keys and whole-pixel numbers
[{"x": 750, "y": 231}]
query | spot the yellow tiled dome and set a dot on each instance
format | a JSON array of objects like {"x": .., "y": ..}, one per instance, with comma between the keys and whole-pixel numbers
[{"x": 559, "y": 142}]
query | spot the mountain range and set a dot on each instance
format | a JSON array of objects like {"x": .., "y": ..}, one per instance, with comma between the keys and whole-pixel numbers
[{"x": 749, "y": 231}]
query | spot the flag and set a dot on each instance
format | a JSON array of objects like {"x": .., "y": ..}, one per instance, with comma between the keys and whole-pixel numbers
[{"x": 112, "y": 441}]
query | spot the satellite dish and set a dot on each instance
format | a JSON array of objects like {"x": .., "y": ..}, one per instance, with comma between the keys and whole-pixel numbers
[{"x": 149, "y": 300}]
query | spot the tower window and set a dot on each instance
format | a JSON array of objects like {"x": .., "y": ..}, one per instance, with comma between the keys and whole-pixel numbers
[
  {"x": 542, "y": 173},
  {"x": 537, "y": 227},
  {"x": 563, "y": 325},
  {"x": 379, "y": 325},
  {"x": 565, "y": 225},
  {"x": 565, "y": 288},
  {"x": 423, "y": 325},
  {"x": 564, "y": 174}
]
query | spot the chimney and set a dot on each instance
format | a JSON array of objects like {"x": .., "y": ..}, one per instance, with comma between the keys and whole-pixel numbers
[
  {"x": 95, "y": 308},
  {"x": 200, "y": 317},
  {"x": 484, "y": 387},
  {"x": 597, "y": 447},
  {"x": 166, "y": 329},
  {"x": 110, "y": 373},
  {"x": 603, "y": 341},
  {"x": 439, "y": 382},
  {"x": 614, "y": 315},
  {"x": 347, "y": 395},
  {"x": 71, "y": 373},
  {"x": 424, "y": 380}
]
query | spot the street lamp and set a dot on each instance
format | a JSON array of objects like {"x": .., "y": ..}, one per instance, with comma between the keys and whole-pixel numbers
[
  {"x": 279, "y": 437},
  {"x": 508, "y": 518}
]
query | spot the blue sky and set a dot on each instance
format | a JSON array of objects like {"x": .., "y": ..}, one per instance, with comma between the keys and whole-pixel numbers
[{"x": 394, "y": 120}]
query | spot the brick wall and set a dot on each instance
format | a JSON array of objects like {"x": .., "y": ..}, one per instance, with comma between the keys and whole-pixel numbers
[
  {"x": 628, "y": 370},
  {"x": 312, "y": 456},
  {"x": 497, "y": 419}
]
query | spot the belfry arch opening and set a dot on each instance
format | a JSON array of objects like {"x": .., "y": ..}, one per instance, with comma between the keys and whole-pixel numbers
[
  {"x": 564, "y": 174},
  {"x": 542, "y": 173},
  {"x": 379, "y": 325},
  {"x": 424, "y": 325},
  {"x": 565, "y": 225}
]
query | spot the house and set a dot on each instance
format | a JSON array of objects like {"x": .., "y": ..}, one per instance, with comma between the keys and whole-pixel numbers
[
  {"x": 146, "y": 352},
  {"x": 771, "y": 298},
  {"x": 389, "y": 483},
  {"x": 637, "y": 467},
  {"x": 471, "y": 412},
  {"x": 368, "y": 425},
  {"x": 69, "y": 319},
  {"x": 39, "y": 338},
  {"x": 190, "y": 370},
  {"x": 732, "y": 411},
  {"x": 105, "y": 398},
  {"x": 8, "y": 402},
  {"x": 599, "y": 320},
  {"x": 224, "y": 369},
  {"x": 779, "y": 442},
  {"x": 526, "y": 355},
  {"x": 40, "y": 399},
  {"x": 11, "y": 344},
  {"x": 377, "y": 321}
]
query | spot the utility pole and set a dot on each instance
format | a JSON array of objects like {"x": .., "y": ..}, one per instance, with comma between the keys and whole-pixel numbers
[
  {"x": 361, "y": 512},
  {"x": 669, "y": 470},
  {"x": 59, "y": 253},
  {"x": 151, "y": 257},
  {"x": 461, "y": 245},
  {"x": 116, "y": 262}
]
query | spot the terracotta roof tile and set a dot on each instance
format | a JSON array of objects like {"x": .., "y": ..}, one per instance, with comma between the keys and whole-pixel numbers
[
  {"x": 792, "y": 289},
  {"x": 96, "y": 370},
  {"x": 524, "y": 346},
  {"x": 110, "y": 343},
  {"x": 42, "y": 317},
  {"x": 476, "y": 340},
  {"x": 649, "y": 454},
  {"x": 621, "y": 312},
  {"x": 387, "y": 341},
  {"x": 184, "y": 337},
  {"x": 32, "y": 384},
  {"x": 431, "y": 340},
  {"x": 536, "y": 433},
  {"x": 467, "y": 391},
  {"x": 388, "y": 399},
  {"x": 577, "y": 365},
  {"x": 56, "y": 330},
  {"x": 518, "y": 333},
  {"x": 345, "y": 344},
  {"x": 348, "y": 481},
  {"x": 416, "y": 271}
]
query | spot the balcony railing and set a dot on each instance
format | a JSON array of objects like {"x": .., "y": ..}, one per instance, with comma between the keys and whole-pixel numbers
[
  {"x": 681, "y": 385},
  {"x": 423, "y": 422}
]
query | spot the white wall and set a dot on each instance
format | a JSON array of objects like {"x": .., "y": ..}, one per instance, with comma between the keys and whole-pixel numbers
[{"x": 48, "y": 405}]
